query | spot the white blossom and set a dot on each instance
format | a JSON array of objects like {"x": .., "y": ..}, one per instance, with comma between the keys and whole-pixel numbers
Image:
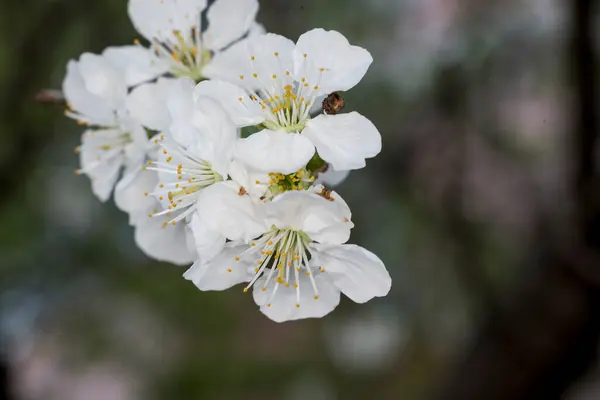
[
  {"x": 96, "y": 95},
  {"x": 178, "y": 43},
  {"x": 299, "y": 264},
  {"x": 273, "y": 83}
]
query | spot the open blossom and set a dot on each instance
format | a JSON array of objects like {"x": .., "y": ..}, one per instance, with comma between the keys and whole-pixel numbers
[
  {"x": 179, "y": 44},
  {"x": 194, "y": 154},
  {"x": 273, "y": 83},
  {"x": 96, "y": 95},
  {"x": 299, "y": 264}
]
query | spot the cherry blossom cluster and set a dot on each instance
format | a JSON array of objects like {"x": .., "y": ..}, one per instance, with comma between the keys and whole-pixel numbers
[{"x": 222, "y": 142}]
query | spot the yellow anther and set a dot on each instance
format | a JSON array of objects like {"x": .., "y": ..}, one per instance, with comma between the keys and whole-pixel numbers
[
  {"x": 149, "y": 215},
  {"x": 315, "y": 296},
  {"x": 297, "y": 305},
  {"x": 237, "y": 258},
  {"x": 305, "y": 55},
  {"x": 245, "y": 289},
  {"x": 295, "y": 285},
  {"x": 169, "y": 159},
  {"x": 257, "y": 182},
  {"x": 173, "y": 222},
  {"x": 322, "y": 269},
  {"x": 321, "y": 69},
  {"x": 287, "y": 284},
  {"x": 269, "y": 305},
  {"x": 255, "y": 75},
  {"x": 160, "y": 198},
  {"x": 252, "y": 244},
  {"x": 256, "y": 270},
  {"x": 270, "y": 242},
  {"x": 252, "y": 58},
  {"x": 274, "y": 76},
  {"x": 240, "y": 99},
  {"x": 276, "y": 54},
  {"x": 287, "y": 73},
  {"x": 264, "y": 289},
  {"x": 228, "y": 269},
  {"x": 241, "y": 76},
  {"x": 149, "y": 162},
  {"x": 316, "y": 87},
  {"x": 145, "y": 193},
  {"x": 161, "y": 186},
  {"x": 307, "y": 273},
  {"x": 77, "y": 149},
  {"x": 136, "y": 41}
]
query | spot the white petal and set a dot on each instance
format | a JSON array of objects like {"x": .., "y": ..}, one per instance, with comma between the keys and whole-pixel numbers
[
  {"x": 180, "y": 103},
  {"x": 208, "y": 243},
  {"x": 331, "y": 177},
  {"x": 331, "y": 62},
  {"x": 218, "y": 134},
  {"x": 146, "y": 103},
  {"x": 159, "y": 18},
  {"x": 275, "y": 151},
  {"x": 283, "y": 305},
  {"x": 240, "y": 107},
  {"x": 94, "y": 108},
  {"x": 344, "y": 140},
  {"x": 272, "y": 57},
  {"x": 257, "y": 29},
  {"x": 322, "y": 220},
  {"x": 130, "y": 194},
  {"x": 102, "y": 166},
  {"x": 228, "y": 20},
  {"x": 103, "y": 80},
  {"x": 223, "y": 209},
  {"x": 231, "y": 65},
  {"x": 137, "y": 63},
  {"x": 222, "y": 272},
  {"x": 255, "y": 183},
  {"x": 357, "y": 272},
  {"x": 163, "y": 243},
  {"x": 104, "y": 182}
]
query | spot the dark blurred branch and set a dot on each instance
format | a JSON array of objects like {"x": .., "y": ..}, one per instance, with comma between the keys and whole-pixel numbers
[{"x": 547, "y": 335}]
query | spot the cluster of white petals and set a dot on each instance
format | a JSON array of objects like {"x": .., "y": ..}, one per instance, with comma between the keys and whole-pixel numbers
[{"x": 221, "y": 143}]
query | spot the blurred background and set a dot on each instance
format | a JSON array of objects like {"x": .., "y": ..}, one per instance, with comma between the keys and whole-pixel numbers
[{"x": 484, "y": 206}]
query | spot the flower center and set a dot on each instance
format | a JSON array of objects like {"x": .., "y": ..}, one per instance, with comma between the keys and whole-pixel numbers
[
  {"x": 185, "y": 55},
  {"x": 280, "y": 183},
  {"x": 180, "y": 182},
  {"x": 285, "y": 254},
  {"x": 100, "y": 146},
  {"x": 285, "y": 101}
]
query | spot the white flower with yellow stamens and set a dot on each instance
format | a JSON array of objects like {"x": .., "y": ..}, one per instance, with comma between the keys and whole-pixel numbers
[
  {"x": 194, "y": 154},
  {"x": 299, "y": 264},
  {"x": 179, "y": 45},
  {"x": 273, "y": 83},
  {"x": 96, "y": 95}
]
